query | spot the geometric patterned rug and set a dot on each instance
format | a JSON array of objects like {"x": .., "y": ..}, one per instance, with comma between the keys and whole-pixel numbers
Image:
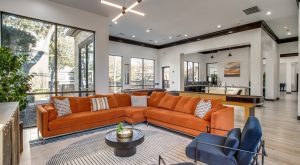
[{"x": 90, "y": 149}]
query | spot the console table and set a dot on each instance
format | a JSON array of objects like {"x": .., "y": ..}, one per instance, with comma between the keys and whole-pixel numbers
[{"x": 9, "y": 134}]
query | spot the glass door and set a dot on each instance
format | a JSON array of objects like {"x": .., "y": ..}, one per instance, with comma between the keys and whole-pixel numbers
[
  {"x": 86, "y": 69},
  {"x": 166, "y": 77}
]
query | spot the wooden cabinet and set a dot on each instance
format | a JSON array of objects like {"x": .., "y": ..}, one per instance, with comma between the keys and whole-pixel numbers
[{"x": 9, "y": 134}]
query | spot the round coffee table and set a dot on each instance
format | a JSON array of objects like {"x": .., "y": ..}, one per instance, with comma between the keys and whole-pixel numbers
[{"x": 124, "y": 147}]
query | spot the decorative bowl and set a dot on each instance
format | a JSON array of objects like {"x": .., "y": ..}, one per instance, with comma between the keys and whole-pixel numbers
[{"x": 125, "y": 133}]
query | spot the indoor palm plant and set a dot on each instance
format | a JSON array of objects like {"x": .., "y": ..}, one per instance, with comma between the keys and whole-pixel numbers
[{"x": 14, "y": 83}]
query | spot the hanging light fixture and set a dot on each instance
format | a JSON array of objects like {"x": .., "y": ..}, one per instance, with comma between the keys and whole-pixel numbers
[
  {"x": 123, "y": 8},
  {"x": 212, "y": 56},
  {"x": 229, "y": 55}
]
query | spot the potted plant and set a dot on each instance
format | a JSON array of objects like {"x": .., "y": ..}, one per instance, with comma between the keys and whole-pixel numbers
[
  {"x": 123, "y": 132},
  {"x": 14, "y": 83}
]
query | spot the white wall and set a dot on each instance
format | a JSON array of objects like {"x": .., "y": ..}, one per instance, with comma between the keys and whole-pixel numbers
[
  {"x": 238, "y": 55},
  {"x": 53, "y": 12},
  {"x": 171, "y": 56},
  {"x": 128, "y": 51}
]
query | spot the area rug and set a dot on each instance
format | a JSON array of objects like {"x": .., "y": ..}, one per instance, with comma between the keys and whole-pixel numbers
[{"x": 90, "y": 148}]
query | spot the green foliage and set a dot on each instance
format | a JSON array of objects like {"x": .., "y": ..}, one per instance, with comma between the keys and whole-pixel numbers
[
  {"x": 120, "y": 127},
  {"x": 13, "y": 82}
]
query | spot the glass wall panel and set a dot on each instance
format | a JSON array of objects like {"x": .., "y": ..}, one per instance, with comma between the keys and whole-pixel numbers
[
  {"x": 136, "y": 72},
  {"x": 190, "y": 72},
  {"x": 149, "y": 73},
  {"x": 196, "y": 72},
  {"x": 142, "y": 73},
  {"x": 115, "y": 74}
]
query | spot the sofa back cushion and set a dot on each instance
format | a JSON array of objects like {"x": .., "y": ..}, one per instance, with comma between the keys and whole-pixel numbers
[
  {"x": 139, "y": 93},
  {"x": 52, "y": 114},
  {"x": 215, "y": 106},
  {"x": 84, "y": 104},
  {"x": 123, "y": 99},
  {"x": 250, "y": 140},
  {"x": 191, "y": 105},
  {"x": 155, "y": 98},
  {"x": 112, "y": 101},
  {"x": 232, "y": 141},
  {"x": 169, "y": 102},
  {"x": 73, "y": 102},
  {"x": 181, "y": 103}
]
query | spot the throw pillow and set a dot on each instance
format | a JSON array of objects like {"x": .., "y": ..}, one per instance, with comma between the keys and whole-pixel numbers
[
  {"x": 202, "y": 108},
  {"x": 99, "y": 104},
  {"x": 139, "y": 101},
  {"x": 232, "y": 141},
  {"x": 62, "y": 107}
]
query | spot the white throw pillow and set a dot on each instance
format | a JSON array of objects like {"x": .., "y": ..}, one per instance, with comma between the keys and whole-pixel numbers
[
  {"x": 202, "y": 108},
  {"x": 99, "y": 104},
  {"x": 139, "y": 101},
  {"x": 62, "y": 107}
]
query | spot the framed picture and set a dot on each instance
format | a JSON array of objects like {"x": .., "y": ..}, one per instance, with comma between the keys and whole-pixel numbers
[{"x": 232, "y": 69}]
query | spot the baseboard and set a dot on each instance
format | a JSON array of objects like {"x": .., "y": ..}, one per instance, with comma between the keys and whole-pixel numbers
[
  {"x": 288, "y": 92},
  {"x": 298, "y": 117}
]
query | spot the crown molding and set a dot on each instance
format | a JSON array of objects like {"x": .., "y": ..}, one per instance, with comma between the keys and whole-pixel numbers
[
  {"x": 289, "y": 55},
  {"x": 259, "y": 24}
]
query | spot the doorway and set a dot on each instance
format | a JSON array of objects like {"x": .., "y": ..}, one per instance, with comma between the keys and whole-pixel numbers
[{"x": 166, "y": 77}]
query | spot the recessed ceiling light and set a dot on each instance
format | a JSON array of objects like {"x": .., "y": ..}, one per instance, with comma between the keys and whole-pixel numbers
[
  {"x": 156, "y": 41},
  {"x": 148, "y": 30},
  {"x": 115, "y": 22},
  {"x": 219, "y": 26},
  {"x": 185, "y": 35},
  {"x": 286, "y": 27},
  {"x": 170, "y": 37},
  {"x": 133, "y": 36},
  {"x": 268, "y": 13},
  {"x": 289, "y": 33}
]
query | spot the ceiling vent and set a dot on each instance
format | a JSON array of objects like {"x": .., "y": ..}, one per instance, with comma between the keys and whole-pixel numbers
[{"x": 251, "y": 10}]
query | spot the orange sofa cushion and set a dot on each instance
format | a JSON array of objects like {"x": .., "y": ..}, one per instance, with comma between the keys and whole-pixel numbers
[
  {"x": 52, "y": 114},
  {"x": 83, "y": 118},
  {"x": 177, "y": 118},
  {"x": 155, "y": 98},
  {"x": 73, "y": 102},
  {"x": 123, "y": 99},
  {"x": 169, "y": 101},
  {"x": 139, "y": 93},
  {"x": 181, "y": 103},
  {"x": 216, "y": 105},
  {"x": 112, "y": 101},
  {"x": 84, "y": 104},
  {"x": 191, "y": 105}
]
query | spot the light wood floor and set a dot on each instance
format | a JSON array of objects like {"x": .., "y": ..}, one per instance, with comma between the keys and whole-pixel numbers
[{"x": 281, "y": 131}]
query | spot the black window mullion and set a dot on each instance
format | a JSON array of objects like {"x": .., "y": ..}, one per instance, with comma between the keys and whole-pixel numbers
[
  {"x": 79, "y": 71},
  {"x": 55, "y": 63},
  {"x": 86, "y": 66}
]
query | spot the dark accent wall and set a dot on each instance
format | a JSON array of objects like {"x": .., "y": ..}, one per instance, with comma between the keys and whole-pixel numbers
[{"x": 260, "y": 24}]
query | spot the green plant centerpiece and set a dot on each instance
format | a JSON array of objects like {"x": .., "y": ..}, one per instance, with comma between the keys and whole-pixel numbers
[
  {"x": 123, "y": 132},
  {"x": 14, "y": 83}
]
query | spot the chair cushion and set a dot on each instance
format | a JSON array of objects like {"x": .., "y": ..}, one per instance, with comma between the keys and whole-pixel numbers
[
  {"x": 62, "y": 107},
  {"x": 169, "y": 102},
  {"x": 208, "y": 154},
  {"x": 155, "y": 98},
  {"x": 232, "y": 141},
  {"x": 250, "y": 140},
  {"x": 82, "y": 118},
  {"x": 202, "y": 108},
  {"x": 123, "y": 99},
  {"x": 139, "y": 101},
  {"x": 98, "y": 104},
  {"x": 177, "y": 118},
  {"x": 73, "y": 102},
  {"x": 112, "y": 101}
]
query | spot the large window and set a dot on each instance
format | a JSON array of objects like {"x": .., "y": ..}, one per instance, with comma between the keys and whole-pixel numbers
[
  {"x": 115, "y": 74},
  {"x": 191, "y": 72},
  {"x": 142, "y": 73},
  {"x": 61, "y": 58}
]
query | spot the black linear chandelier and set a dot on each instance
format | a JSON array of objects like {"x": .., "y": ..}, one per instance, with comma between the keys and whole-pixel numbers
[{"x": 124, "y": 9}]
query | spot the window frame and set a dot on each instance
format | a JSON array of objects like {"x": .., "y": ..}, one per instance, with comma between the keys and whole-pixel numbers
[
  {"x": 114, "y": 86},
  {"x": 56, "y": 92},
  {"x": 186, "y": 81},
  {"x": 143, "y": 79}
]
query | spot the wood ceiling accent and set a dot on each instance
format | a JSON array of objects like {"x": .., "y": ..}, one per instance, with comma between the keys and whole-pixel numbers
[
  {"x": 289, "y": 55},
  {"x": 225, "y": 49},
  {"x": 260, "y": 24}
]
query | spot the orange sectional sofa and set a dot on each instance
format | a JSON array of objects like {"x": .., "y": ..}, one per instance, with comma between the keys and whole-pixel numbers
[{"x": 173, "y": 112}]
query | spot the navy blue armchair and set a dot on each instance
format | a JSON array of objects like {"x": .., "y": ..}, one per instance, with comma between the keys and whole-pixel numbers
[{"x": 238, "y": 148}]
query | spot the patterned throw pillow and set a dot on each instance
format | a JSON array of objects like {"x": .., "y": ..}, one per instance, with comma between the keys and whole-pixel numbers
[
  {"x": 62, "y": 107},
  {"x": 99, "y": 104},
  {"x": 202, "y": 108}
]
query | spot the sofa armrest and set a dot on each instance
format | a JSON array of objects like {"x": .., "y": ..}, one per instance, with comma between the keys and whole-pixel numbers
[
  {"x": 42, "y": 119},
  {"x": 222, "y": 120}
]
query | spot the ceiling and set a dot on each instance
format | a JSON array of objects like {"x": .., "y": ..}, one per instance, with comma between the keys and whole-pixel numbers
[{"x": 192, "y": 17}]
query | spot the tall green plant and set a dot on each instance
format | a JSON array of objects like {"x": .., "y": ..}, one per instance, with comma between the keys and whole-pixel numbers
[{"x": 14, "y": 83}]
